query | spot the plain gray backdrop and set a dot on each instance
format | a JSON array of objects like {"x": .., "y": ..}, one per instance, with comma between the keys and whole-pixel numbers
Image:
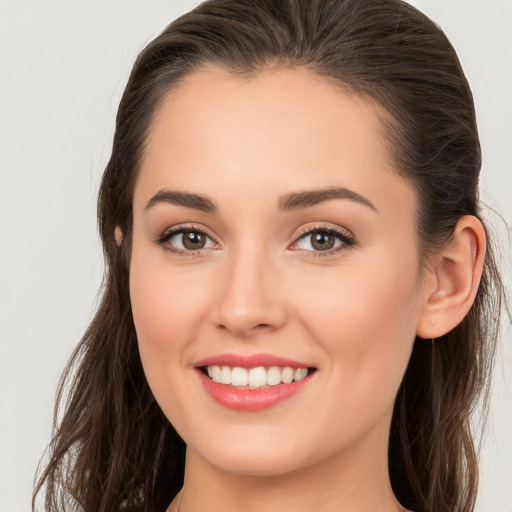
[{"x": 63, "y": 65}]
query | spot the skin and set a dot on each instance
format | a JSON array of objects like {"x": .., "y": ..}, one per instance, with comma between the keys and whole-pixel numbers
[{"x": 257, "y": 286}]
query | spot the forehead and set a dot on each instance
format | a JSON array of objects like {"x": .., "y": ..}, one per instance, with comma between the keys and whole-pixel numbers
[
  {"x": 273, "y": 132},
  {"x": 274, "y": 107}
]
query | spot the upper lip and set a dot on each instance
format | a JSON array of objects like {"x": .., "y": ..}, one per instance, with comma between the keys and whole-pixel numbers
[{"x": 250, "y": 361}]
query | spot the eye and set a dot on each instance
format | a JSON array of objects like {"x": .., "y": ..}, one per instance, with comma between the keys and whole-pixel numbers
[
  {"x": 185, "y": 240},
  {"x": 326, "y": 240},
  {"x": 189, "y": 240}
]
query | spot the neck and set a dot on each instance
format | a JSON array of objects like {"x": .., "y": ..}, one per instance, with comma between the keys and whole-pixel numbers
[{"x": 352, "y": 481}]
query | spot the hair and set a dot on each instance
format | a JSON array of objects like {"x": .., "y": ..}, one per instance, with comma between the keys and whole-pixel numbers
[{"x": 112, "y": 447}]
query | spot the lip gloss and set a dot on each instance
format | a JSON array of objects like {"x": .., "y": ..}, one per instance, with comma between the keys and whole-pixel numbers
[
  {"x": 250, "y": 361},
  {"x": 244, "y": 399}
]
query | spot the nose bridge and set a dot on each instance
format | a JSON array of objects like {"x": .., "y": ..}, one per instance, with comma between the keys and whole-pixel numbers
[{"x": 248, "y": 292}]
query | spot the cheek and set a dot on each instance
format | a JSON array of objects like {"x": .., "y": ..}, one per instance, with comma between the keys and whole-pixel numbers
[
  {"x": 366, "y": 299},
  {"x": 167, "y": 310},
  {"x": 167, "y": 303},
  {"x": 366, "y": 324}
]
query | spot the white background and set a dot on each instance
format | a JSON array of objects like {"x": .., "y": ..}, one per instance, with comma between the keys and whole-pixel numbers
[{"x": 63, "y": 65}]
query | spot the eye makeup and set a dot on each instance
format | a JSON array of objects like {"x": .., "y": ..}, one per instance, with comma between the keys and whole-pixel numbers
[
  {"x": 181, "y": 239},
  {"x": 191, "y": 240},
  {"x": 323, "y": 240}
]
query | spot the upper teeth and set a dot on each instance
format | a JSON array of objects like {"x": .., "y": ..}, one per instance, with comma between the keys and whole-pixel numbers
[{"x": 255, "y": 377}]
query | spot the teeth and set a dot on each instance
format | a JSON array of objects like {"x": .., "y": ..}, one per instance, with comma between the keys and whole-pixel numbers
[
  {"x": 287, "y": 375},
  {"x": 215, "y": 373},
  {"x": 273, "y": 376},
  {"x": 225, "y": 375},
  {"x": 255, "y": 377},
  {"x": 300, "y": 373},
  {"x": 239, "y": 376}
]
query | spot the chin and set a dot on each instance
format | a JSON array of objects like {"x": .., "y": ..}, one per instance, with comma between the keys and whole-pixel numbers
[
  {"x": 257, "y": 457},
  {"x": 256, "y": 465}
]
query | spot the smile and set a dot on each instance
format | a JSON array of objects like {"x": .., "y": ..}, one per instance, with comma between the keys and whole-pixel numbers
[
  {"x": 254, "y": 378},
  {"x": 252, "y": 382}
]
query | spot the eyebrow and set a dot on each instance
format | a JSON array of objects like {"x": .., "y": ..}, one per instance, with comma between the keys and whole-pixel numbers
[
  {"x": 293, "y": 201},
  {"x": 307, "y": 198},
  {"x": 182, "y": 199}
]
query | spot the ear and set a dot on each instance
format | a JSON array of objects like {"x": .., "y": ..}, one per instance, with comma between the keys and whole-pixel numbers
[
  {"x": 118, "y": 236},
  {"x": 452, "y": 279}
]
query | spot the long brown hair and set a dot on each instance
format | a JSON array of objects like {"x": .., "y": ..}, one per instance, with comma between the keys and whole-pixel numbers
[{"x": 113, "y": 449}]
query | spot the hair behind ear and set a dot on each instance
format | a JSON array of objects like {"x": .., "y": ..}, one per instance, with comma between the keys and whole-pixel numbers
[
  {"x": 432, "y": 454},
  {"x": 453, "y": 279}
]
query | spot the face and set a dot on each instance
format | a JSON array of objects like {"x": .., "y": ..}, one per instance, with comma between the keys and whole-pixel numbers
[{"x": 273, "y": 242}]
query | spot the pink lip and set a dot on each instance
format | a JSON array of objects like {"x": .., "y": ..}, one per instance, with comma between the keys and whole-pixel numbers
[
  {"x": 250, "y": 361},
  {"x": 243, "y": 399}
]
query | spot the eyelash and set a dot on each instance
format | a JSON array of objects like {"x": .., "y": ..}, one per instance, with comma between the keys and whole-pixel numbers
[
  {"x": 347, "y": 240},
  {"x": 166, "y": 235}
]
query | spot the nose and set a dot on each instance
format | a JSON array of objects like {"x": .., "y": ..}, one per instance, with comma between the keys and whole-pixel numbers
[{"x": 249, "y": 296}]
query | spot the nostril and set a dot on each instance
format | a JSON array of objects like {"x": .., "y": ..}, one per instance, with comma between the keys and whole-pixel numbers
[{"x": 245, "y": 330}]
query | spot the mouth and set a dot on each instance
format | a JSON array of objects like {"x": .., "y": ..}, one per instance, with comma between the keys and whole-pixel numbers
[
  {"x": 254, "y": 378},
  {"x": 252, "y": 383}
]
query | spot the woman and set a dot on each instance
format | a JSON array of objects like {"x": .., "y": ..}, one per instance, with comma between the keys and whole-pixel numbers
[{"x": 299, "y": 282}]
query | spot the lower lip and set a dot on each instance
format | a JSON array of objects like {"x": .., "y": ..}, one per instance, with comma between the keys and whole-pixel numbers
[{"x": 243, "y": 399}]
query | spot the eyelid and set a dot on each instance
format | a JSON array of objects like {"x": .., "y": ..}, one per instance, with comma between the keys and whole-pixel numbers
[
  {"x": 308, "y": 228},
  {"x": 165, "y": 235},
  {"x": 343, "y": 234}
]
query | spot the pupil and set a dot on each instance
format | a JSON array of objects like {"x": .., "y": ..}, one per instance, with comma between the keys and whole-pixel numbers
[
  {"x": 193, "y": 240},
  {"x": 322, "y": 241}
]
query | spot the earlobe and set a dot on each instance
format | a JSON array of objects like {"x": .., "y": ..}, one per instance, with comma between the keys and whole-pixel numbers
[
  {"x": 118, "y": 236},
  {"x": 454, "y": 279}
]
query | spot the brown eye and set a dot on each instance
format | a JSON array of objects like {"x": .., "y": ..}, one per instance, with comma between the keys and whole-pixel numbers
[
  {"x": 322, "y": 240},
  {"x": 183, "y": 241},
  {"x": 193, "y": 240}
]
